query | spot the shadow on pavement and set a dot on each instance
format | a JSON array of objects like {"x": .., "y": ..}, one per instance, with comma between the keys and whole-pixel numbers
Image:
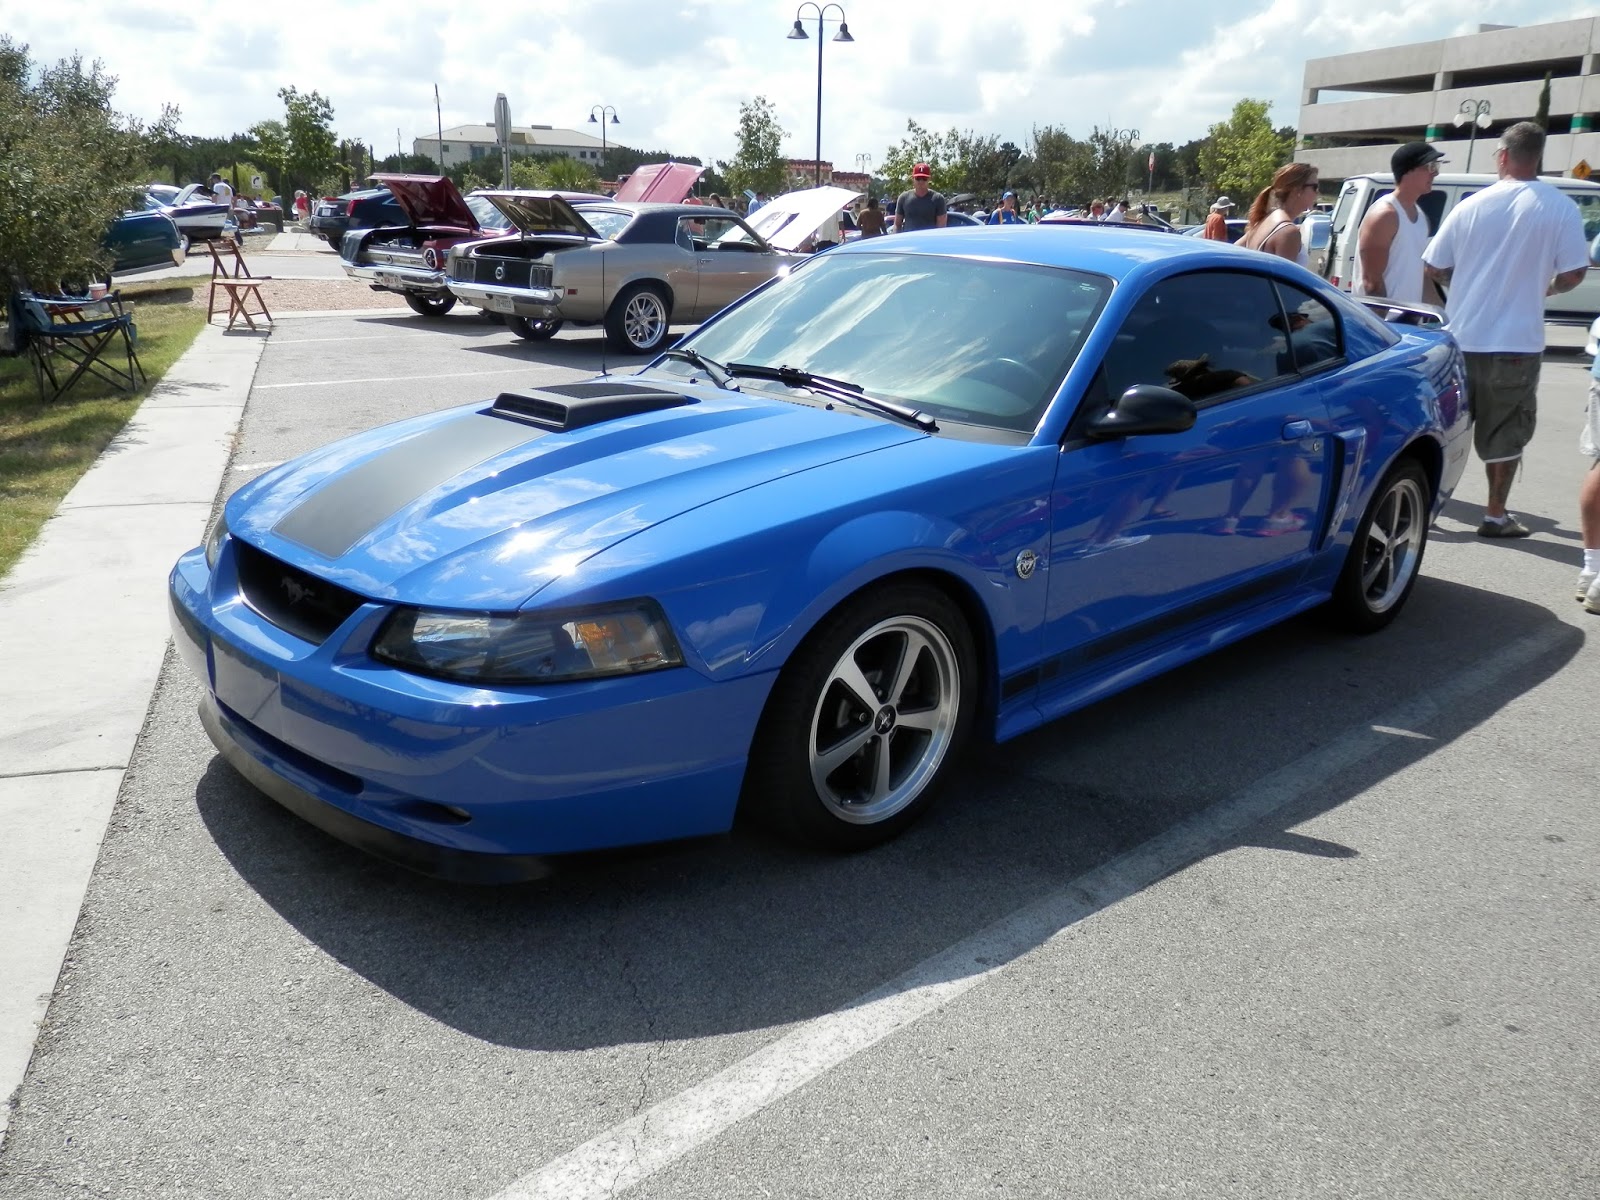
[{"x": 741, "y": 933}]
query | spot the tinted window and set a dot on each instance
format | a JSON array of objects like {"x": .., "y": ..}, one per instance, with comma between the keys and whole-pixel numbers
[
  {"x": 1314, "y": 336},
  {"x": 1204, "y": 335}
]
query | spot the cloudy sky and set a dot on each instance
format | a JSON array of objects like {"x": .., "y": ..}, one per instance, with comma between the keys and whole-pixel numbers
[{"x": 677, "y": 70}]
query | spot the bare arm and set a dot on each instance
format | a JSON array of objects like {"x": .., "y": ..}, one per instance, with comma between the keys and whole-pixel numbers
[
  {"x": 941, "y": 220},
  {"x": 1284, "y": 247},
  {"x": 898, "y": 219},
  {"x": 1566, "y": 281},
  {"x": 1373, "y": 243},
  {"x": 1438, "y": 274}
]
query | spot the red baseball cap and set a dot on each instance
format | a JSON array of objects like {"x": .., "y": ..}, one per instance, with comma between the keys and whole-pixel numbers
[{"x": 920, "y": 171}]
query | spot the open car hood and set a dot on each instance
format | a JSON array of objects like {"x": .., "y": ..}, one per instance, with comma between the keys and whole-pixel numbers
[
  {"x": 540, "y": 212},
  {"x": 791, "y": 219},
  {"x": 430, "y": 200},
  {"x": 660, "y": 183}
]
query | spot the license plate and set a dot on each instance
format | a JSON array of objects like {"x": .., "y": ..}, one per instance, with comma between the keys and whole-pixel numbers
[
  {"x": 501, "y": 304},
  {"x": 386, "y": 279},
  {"x": 325, "y": 210}
]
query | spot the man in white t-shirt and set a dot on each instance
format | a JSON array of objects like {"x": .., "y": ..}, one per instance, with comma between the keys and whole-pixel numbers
[
  {"x": 1501, "y": 252},
  {"x": 221, "y": 192}
]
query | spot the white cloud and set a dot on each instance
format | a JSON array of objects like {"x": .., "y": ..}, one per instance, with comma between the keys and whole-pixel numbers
[{"x": 676, "y": 70}]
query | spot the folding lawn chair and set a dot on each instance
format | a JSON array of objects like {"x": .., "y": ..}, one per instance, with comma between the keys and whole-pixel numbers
[{"x": 68, "y": 337}]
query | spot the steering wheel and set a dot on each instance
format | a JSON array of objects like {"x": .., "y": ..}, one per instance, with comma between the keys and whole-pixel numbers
[{"x": 1033, "y": 381}]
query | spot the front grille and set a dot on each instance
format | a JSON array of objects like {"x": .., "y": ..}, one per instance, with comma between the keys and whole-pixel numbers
[{"x": 293, "y": 600}]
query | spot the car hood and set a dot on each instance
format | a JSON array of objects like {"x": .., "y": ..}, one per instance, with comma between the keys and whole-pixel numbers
[
  {"x": 792, "y": 218},
  {"x": 539, "y": 212},
  {"x": 467, "y": 509},
  {"x": 660, "y": 183},
  {"x": 430, "y": 200}
]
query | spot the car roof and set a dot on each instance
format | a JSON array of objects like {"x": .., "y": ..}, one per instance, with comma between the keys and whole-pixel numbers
[
  {"x": 1479, "y": 180},
  {"x": 640, "y": 207},
  {"x": 1098, "y": 249}
]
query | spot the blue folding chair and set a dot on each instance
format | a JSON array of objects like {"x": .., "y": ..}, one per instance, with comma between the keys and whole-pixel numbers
[{"x": 68, "y": 337}]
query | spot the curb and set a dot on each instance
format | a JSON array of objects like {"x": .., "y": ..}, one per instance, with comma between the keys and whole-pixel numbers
[{"x": 82, "y": 662}]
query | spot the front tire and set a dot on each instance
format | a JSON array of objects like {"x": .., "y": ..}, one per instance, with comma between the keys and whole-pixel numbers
[
  {"x": 530, "y": 330},
  {"x": 1385, "y": 558},
  {"x": 637, "y": 320},
  {"x": 864, "y": 720},
  {"x": 429, "y": 305}
]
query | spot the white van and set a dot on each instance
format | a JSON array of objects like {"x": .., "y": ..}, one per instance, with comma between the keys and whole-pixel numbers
[{"x": 1357, "y": 194}]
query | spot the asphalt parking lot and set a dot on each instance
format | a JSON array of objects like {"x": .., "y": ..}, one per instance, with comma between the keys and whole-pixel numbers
[{"x": 1313, "y": 917}]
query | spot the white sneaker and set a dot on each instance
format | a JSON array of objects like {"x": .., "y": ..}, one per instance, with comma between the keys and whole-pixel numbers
[
  {"x": 1585, "y": 582},
  {"x": 1591, "y": 601}
]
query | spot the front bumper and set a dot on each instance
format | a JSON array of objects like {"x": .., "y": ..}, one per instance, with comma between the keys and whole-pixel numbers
[
  {"x": 456, "y": 781},
  {"x": 399, "y": 278},
  {"x": 540, "y": 303}
]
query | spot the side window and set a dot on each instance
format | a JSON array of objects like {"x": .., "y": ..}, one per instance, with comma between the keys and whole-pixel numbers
[
  {"x": 686, "y": 233},
  {"x": 1313, "y": 328},
  {"x": 1432, "y": 206},
  {"x": 1204, "y": 335}
]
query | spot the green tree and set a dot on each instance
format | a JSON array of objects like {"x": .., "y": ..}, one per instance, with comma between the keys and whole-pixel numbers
[
  {"x": 570, "y": 175},
  {"x": 272, "y": 150},
  {"x": 312, "y": 154},
  {"x": 72, "y": 165},
  {"x": 921, "y": 145},
  {"x": 525, "y": 173},
  {"x": 1240, "y": 154},
  {"x": 163, "y": 145},
  {"x": 758, "y": 161}
]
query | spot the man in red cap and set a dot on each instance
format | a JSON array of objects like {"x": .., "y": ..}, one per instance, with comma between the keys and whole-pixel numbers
[{"x": 921, "y": 207}]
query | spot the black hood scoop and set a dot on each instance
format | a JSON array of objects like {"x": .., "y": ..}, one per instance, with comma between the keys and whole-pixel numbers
[{"x": 576, "y": 405}]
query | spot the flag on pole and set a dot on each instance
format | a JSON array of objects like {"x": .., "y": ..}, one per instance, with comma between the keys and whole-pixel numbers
[{"x": 1151, "y": 165}]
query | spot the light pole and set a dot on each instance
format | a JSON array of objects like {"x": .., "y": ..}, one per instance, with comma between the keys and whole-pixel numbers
[
  {"x": 864, "y": 163},
  {"x": 1475, "y": 115},
  {"x": 603, "y": 109},
  {"x": 1129, "y": 136},
  {"x": 798, "y": 34}
]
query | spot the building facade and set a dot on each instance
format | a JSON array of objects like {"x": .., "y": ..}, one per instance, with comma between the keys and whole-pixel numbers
[
  {"x": 474, "y": 143},
  {"x": 1409, "y": 93}
]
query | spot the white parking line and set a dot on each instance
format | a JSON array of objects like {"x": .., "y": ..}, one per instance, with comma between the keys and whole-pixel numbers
[
  {"x": 631, "y": 1152},
  {"x": 262, "y": 387}
]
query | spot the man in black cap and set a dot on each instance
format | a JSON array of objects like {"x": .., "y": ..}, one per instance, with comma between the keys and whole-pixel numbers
[{"x": 1394, "y": 232}]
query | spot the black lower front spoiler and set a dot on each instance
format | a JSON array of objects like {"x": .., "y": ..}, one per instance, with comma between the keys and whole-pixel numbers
[{"x": 426, "y": 858}]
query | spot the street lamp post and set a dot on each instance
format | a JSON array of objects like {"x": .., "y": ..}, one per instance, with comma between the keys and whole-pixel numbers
[
  {"x": 1475, "y": 115},
  {"x": 603, "y": 109},
  {"x": 798, "y": 34},
  {"x": 1130, "y": 136}
]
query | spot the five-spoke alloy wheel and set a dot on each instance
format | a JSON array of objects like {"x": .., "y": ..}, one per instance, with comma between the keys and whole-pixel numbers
[
  {"x": 1386, "y": 556},
  {"x": 865, "y": 719},
  {"x": 637, "y": 320}
]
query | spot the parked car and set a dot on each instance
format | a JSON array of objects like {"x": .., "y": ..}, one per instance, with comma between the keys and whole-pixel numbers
[
  {"x": 409, "y": 258},
  {"x": 799, "y": 560},
  {"x": 143, "y": 239},
  {"x": 250, "y": 213},
  {"x": 191, "y": 209},
  {"x": 1314, "y": 232},
  {"x": 368, "y": 208},
  {"x": 635, "y": 268},
  {"x": 1236, "y": 228},
  {"x": 1358, "y": 193}
]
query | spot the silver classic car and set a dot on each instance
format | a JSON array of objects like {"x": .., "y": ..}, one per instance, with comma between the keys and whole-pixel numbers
[{"x": 636, "y": 268}]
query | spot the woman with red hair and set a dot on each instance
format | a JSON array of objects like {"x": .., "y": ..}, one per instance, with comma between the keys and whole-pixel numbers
[{"x": 1277, "y": 207}]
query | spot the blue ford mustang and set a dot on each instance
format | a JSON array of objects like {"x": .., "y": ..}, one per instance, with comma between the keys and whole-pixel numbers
[{"x": 922, "y": 488}]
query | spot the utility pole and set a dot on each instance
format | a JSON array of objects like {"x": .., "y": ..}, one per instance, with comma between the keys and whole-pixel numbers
[{"x": 438, "y": 115}]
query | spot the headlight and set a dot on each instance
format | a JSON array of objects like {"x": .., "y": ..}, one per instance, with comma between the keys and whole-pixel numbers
[
  {"x": 627, "y": 638},
  {"x": 214, "y": 536}
]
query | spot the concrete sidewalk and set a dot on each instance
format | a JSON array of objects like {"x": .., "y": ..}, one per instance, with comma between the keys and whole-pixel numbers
[{"x": 83, "y": 631}]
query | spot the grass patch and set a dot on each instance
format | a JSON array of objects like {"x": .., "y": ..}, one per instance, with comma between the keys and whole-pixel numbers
[{"x": 45, "y": 449}]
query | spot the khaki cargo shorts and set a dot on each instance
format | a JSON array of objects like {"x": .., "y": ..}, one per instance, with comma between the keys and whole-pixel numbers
[{"x": 1503, "y": 393}]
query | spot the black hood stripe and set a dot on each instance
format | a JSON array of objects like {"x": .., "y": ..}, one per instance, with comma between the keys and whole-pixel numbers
[{"x": 356, "y": 502}]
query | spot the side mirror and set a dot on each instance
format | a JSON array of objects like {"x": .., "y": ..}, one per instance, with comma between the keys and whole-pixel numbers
[{"x": 1145, "y": 408}]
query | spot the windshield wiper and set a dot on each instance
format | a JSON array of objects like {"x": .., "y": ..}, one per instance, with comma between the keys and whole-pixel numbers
[
  {"x": 839, "y": 389},
  {"x": 719, "y": 373}
]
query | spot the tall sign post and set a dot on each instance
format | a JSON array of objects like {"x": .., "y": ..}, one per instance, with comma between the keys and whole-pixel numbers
[{"x": 502, "y": 131}]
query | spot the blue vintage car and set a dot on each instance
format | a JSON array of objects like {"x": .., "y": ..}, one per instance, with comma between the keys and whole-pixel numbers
[
  {"x": 138, "y": 240},
  {"x": 921, "y": 488}
]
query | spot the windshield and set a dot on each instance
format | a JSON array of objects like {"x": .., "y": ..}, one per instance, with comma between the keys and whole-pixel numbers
[
  {"x": 980, "y": 342},
  {"x": 486, "y": 214},
  {"x": 607, "y": 222}
]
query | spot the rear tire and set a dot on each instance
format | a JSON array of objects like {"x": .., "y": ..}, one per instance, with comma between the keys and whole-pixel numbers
[
  {"x": 864, "y": 720},
  {"x": 531, "y": 330},
  {"x": 639, "y": 318},
  {"x": 1385, "y": 557},
  {"x": 430, "y": 306},
  {"x": 334, "y": 240}
]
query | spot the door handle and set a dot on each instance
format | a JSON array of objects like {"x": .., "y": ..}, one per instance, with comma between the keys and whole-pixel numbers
[{"x": 1293, "y": 431}]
